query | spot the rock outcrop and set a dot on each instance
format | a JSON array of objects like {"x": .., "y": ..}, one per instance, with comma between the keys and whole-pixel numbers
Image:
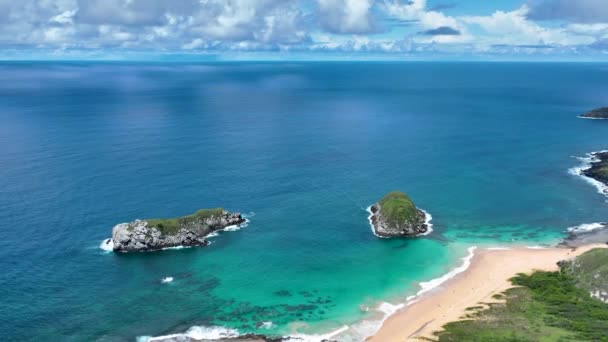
[
  {"x": 395, "y": 215},
  {"x": 599, "y": 167},
  {"x": 599, "y": 113},
  {"x": 186, "y": 231}
]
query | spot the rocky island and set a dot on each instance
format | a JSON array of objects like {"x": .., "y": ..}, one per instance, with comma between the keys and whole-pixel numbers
[
  {"x": 395, "y": 215},
  {"x": 599, "y": 113},
  {"x": 185, "y": 231}
]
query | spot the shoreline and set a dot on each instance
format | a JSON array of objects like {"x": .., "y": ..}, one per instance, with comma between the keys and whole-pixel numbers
[
  {"x": 586, "y": 164},
  {"x": 487, "y": 274}
]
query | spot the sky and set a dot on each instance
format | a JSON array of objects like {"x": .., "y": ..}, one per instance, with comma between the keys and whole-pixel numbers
[{"x": 304, "y": 29}]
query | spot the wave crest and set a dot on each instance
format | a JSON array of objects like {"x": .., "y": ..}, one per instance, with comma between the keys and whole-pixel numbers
[{"x": 585, "y": 165}]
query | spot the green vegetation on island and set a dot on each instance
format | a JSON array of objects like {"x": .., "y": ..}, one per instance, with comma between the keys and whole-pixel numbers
[
  {"x": 397, "y": 208},
  {"x": 169, "y": 226},
  {"x": 546, "y": 306},
  {"x": 599, "y": 113}
]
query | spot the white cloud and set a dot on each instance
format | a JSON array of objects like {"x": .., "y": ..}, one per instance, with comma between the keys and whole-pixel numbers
[
  {"x": 416, "y": 11},
  {"x": 346, "y": 16},
  {"x": 514, "y": 28},
  {"x": 294, "y": 25}
]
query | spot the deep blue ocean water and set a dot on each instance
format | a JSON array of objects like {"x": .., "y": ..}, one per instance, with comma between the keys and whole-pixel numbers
[{"x": 303, "y": 148}]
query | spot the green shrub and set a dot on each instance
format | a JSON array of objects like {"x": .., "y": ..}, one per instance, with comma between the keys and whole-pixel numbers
[{"x": 397, "y": 208}]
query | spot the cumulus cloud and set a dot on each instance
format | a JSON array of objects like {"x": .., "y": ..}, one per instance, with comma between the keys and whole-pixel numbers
[
  {"x": 391, "y": 26},
  {"x": 580, "y": 11},
  {"x": 346, "y": 16},
  {"x": 148, "y": 23},
  {"x": 514, "y": 28}
]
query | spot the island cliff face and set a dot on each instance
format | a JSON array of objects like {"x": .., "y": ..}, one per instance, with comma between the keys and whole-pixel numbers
[
  {"x": 395, "y": 215},
  {"x": 599, "y": 113},
  {"x": 186, "y": 231}
]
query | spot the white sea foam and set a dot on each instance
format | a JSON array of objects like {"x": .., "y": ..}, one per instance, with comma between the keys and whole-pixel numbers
[
  {"x": 315, "y": 338},
  {"x": 427, "y": 220},
  {"x": 497, "y": 248},
  {"x": 215, "y": 333},
  {"x": 214, "y": 234},
  {"x": 466, "y": 262},
  {"x": 388, "y": 308},
  {"x": 587, "y": 227},
  {"x": 588, "y": 118},
  {"x": 536, "y": 247},
  {"x": 175, "y": 247},
  {"x": 195, "y": 333},
  {"x": 235, "y": 227},
  {"x": 107, "y": 245},
  {"x": 585, "y": 165},
  {"x": 266, "y": 325},
  {"x": 166, "y": 280}
]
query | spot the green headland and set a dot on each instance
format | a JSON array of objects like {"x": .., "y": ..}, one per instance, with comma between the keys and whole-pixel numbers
[{"x": 567, "y": 305}]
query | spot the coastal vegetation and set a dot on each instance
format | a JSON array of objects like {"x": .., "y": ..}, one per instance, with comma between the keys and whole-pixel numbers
[
  {"x": 169, "y": 226},
  {"x": 545, "y": 306},
  {"x": 590, "y": 272},
  {"x": 598, "y": 113},
  {"x": 397, "y": 208}
]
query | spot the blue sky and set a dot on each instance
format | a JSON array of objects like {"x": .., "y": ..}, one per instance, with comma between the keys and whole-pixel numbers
[{"x": 315, "y": 29}]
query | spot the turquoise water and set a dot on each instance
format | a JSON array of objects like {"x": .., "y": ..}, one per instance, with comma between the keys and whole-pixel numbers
[{"x": 303, "y": 148}]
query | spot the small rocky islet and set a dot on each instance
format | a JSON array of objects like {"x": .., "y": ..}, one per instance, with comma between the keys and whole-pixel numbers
[
  {"x": 396, "y": 215},
  {"x": 598, "y": 113},
  {"x": 186, "y": 231}
]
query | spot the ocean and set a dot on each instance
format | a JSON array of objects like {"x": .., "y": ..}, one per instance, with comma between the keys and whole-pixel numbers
[{"x": 301, "y": 148}]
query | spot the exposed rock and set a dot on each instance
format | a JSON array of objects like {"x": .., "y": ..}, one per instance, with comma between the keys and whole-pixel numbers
[
  {"x": 395, "y": 215},
  {"x": 586, "y": 234},
  {"x": 599, "y": 167},
  {"x": 187, "y": 231},
  {"x": 243, "y": 338},
  {"x": 599, "y": 113}
]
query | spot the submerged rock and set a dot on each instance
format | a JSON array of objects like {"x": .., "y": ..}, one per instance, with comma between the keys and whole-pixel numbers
[
  {"x": 599, "y": 113},
  {"x": 395, "y": 215},
  {"x": 243, "y": 338},
  {"x": 186, "y": 231}
]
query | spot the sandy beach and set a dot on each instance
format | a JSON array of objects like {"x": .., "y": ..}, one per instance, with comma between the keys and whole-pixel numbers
[{"x": 488, "y": 274}]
